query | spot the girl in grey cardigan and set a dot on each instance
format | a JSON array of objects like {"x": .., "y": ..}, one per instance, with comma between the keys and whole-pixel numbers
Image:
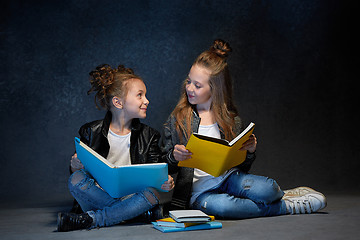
[{"x": 206, "y": 107}]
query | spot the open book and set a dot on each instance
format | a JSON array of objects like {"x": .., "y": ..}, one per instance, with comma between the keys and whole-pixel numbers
[
  {"x": 215, "y": 156},
  {"x": 119, "y": 181}
]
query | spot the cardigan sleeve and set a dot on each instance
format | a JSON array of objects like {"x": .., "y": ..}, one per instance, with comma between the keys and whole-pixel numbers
[
  {"x": 168, "y": 142},
  {"x": 250, "y": 157}
]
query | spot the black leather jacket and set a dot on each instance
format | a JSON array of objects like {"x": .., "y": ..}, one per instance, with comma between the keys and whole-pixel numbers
[
  {"x": 144, "y": 143},
  {"x": 144, "y": 140}
]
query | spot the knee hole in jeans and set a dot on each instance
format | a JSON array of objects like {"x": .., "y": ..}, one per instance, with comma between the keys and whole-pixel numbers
[
  {"x": 77, "y": 178},
  {"x": 150, "y": 195},
  {"x": 248, "y": 184},
  {"x": 271, "y": 191}
]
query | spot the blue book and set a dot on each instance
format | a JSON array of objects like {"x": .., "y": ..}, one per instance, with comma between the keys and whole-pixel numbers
[
  {"x": 204, "y": 226},
  {"x": 119, "y": 181}
]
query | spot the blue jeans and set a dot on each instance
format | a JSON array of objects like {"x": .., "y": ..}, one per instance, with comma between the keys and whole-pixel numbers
[
  {"x": 241, "y": 196},
  {"x": 104, "y": 209}
]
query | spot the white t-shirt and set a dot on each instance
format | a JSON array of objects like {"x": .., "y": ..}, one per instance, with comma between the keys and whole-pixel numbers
[
  {"x": 203, "y": 181},
  {"x": 119, "y": 153}
]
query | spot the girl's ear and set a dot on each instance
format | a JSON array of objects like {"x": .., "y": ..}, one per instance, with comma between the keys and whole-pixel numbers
[{"x": 117, "y": 102}]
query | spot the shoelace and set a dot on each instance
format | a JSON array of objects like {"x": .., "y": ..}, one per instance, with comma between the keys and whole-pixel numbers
[{"x": 300, "y": 206}]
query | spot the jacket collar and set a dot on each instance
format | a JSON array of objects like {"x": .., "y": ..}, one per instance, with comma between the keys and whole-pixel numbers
[
  {"x": 135, "y": 124},
  {"x": 106, "y": 123}
]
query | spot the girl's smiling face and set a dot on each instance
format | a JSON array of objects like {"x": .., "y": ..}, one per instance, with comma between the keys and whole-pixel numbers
[
  {"x": 197, "y": 86},
  {"x": 136, "y": 103}
]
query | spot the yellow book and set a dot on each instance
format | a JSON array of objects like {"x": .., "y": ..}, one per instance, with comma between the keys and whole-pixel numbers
[{"x": 215, "y": 156}]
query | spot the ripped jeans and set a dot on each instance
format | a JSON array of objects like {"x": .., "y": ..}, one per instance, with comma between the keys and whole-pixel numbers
[
  {"x": 104, "y": 209},
  {"x": 241, "y": 196}
]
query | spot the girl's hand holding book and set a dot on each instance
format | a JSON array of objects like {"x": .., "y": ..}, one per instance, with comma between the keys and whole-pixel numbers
[
  {"x": 75, "y": 163},
  {"x": 181, "y": 153},
  {"x": 168, "y": 185},
  {"x": 250, "y": 144}
]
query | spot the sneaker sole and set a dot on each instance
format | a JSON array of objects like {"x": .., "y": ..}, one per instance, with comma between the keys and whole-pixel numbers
[{"x": 59, "y": 222}]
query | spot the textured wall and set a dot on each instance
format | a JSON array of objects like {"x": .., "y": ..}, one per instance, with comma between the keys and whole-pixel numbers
[{"x": 290, "y": 65}]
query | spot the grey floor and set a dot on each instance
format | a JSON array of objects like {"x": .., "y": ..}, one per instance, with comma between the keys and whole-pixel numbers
[{"x": 339, "y": 220}]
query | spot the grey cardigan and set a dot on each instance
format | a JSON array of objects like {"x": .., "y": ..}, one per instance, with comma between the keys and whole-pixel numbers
[{"x": 184, "y": 180}]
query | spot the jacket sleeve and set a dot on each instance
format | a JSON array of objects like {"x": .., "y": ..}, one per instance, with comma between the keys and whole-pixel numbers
[
  {"x": 85, "y": 134},
  {"x": 154, "y": 153}
]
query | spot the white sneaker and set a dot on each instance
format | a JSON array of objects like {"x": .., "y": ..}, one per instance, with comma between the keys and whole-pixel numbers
[
  {"x": 307, "y": 203},
  {"x": 299, "y": 191}
]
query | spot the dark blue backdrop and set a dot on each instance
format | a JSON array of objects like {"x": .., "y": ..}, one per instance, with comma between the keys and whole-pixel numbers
[{"x": 290, "y": 65}]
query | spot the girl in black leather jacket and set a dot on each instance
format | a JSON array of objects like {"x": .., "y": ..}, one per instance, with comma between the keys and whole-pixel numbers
[{"x": 122, "y": 140}]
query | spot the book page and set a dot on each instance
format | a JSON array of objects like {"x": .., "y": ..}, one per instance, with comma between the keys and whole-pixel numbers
[
  {"x": 251, "y": 125},
  {"x": 212, "y": 139},
  {"x": 98, "y": 156}
]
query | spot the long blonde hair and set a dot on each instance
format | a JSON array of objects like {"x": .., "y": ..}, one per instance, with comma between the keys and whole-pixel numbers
[{"x": 220, "y": 83}]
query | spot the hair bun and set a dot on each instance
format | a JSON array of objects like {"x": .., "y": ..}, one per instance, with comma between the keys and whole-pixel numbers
[
  {"x": 221, "y": 48},
  {"x": 108, "y": 82},
  {"x": 124, "y": 70},
  {"x": 102, "y": 76}
]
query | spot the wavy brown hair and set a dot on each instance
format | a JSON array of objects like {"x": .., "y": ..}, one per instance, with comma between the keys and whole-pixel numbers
[
  {"x": 220, "y": 83},
  {"x": 109, "y": 82}
]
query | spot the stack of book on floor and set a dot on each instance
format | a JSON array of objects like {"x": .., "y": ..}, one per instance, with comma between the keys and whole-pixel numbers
[{"x": 186, "y": 220}]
